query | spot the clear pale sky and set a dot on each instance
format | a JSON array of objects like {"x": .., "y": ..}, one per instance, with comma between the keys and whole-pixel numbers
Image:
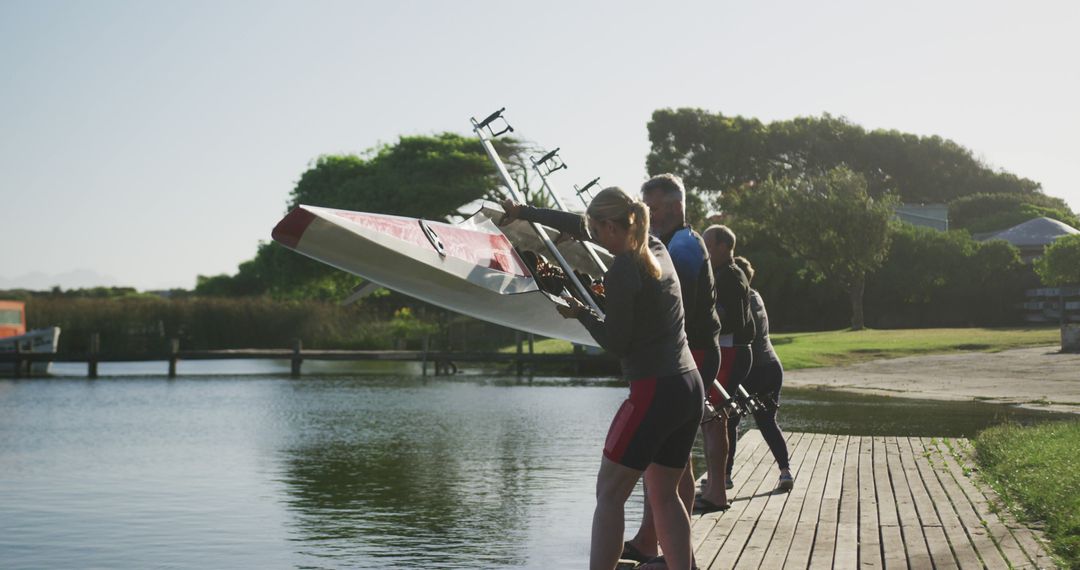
[{"x": 143, "y": 143}]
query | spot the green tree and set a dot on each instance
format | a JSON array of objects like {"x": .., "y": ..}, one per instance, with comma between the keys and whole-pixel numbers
[
  {"x": 1060, "y": 265},
  {"x": 419, "y": 176},
  {"x": 718, "y": 153},
  {"x": 831, "y": 222},
  {"x": 934, "y": 278}
]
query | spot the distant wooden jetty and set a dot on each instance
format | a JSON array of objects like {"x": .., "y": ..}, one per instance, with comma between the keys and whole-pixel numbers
[
  {"x": 864, "y": 502},
  {"x": 440, "y": 362}
]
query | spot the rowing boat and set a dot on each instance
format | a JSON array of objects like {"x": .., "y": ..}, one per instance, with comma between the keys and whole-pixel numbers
[{"x": 473, "y": 267}]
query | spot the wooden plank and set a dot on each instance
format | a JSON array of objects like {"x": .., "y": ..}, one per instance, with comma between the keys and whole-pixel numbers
[
  {"x": 861, "y": 501},
  {"x": 802, "y": 541},
  {"x": 953, "y": 529},
  {"x": 980, "y": 538},
  {"x": 870, "y": 557},
  {"x": 725, "y": 554},
  {"x": 937, "y": 544},
  {"x": 746, "y": 511},
  {"x": 892, "y": 541},
  {"x": 777, "y": 550},
  {"x": 918, "y": 553},
  {"x": 755, "y": 548},
  {"x": 847, "y": 530},
  {"x": 714, "y": 526},
  {"x": 1001, "y": 534},
  {"x": 749, "y": 449},
  {"x": 823, "y": 550}
]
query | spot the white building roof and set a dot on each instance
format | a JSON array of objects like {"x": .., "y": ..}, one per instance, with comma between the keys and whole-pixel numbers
[{"x": 1035, "y": 232}]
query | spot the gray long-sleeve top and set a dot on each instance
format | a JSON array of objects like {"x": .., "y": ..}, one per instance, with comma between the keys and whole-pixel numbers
[
  {"x": 762, "y": 345},
  {"x": 643, "y": 324}
]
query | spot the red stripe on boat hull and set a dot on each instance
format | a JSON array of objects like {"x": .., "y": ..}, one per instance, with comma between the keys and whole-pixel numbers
[{"x": 291, "y": 228}]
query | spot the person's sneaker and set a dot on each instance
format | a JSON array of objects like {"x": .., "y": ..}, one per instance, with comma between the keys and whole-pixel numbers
[
  {"x": 787, "y": 483},
  {"x": 730, "y": 483}
]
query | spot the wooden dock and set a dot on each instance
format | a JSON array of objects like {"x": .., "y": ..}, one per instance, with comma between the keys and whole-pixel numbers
[
  {"x": 441, "y": 362},
  {"x": 864, "y": 502}
]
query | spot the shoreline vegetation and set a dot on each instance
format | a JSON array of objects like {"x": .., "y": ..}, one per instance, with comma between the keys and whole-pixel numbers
[
  {"x": 1036, "y": 470},
  {"x": 844, "y": 347},
  {"x": 144, "y": 323}
]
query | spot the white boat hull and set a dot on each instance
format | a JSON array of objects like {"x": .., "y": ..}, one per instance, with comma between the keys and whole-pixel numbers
[
  {"x": 43, "y": 340},
  {"x": 477, "y": 273}
]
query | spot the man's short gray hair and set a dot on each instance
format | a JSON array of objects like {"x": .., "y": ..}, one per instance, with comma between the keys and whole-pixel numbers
[
  {"x": 720, "y": 234},
  {"x": 669, "y": 184}
]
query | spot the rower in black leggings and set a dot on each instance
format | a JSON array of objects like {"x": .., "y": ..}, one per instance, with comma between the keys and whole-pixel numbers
[
  {"x": 765, "y": 379},
  {"x": 736, "y": 355},
  {"x": 736, "y": 333}
]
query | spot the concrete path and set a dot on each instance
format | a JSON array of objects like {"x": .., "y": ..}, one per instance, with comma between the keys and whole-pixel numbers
[{"x": 1040, "y": 378}]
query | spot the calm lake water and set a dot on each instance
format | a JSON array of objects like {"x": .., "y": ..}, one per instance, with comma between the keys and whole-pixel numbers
[{"x": 220, "y": 470}]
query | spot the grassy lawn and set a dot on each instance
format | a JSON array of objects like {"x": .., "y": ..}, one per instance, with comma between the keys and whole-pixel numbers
[
  {"x": 543, "y": 346},
  {"x": 836, "y": 348},
  {"x": 1037, "y": 468}
]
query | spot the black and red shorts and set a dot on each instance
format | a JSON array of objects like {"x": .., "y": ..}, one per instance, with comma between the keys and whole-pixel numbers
[
  {"x": 708, "y": 363},
  {"x": 735, "y": 362},
  {"x": 657, "y": 423}
]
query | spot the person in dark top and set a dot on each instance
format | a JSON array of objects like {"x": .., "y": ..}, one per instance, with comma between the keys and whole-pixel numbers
[
  {"x": 736, "y": 333},
  {"x": 765, "y": 379},
  {"x": 666, "y": 198},
  {"x": 654, "y": 430}
]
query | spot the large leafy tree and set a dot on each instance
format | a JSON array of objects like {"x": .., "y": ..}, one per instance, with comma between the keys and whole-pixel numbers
[
  {"x": 718, "y": 153},
  {"x": 830, "y": 221}
]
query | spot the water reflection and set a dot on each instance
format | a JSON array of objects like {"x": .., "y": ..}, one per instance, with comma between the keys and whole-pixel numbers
[{"x": 444, "y": 474}]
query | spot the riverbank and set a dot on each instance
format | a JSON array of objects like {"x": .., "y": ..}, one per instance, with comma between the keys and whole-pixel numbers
[
  {"x": 1039, "y": 378},
  {"x": 1036, "y": 468},
  {"x": 845, "y": 347}
]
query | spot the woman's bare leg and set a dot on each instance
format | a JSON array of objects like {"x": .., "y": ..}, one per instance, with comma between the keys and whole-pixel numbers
[
  {"x": 645, "y": 540},
  {"x": 716, "y": 455},
  {"x": 614, "y": 484},
  {"x": 672, "y": 522}
]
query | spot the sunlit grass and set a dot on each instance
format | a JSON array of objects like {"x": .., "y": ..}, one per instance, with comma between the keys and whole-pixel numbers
[
  {"x": 837, "y": 348},
  {"x": 543, "y": 346},
  {"x": 1038, "y": 469}
]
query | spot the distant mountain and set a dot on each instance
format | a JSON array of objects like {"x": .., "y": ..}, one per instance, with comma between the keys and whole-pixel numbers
[{"x": 75, "y": 279}]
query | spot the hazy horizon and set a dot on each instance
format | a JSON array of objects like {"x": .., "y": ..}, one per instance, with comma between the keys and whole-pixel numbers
[{"x": 146, "y": 143}]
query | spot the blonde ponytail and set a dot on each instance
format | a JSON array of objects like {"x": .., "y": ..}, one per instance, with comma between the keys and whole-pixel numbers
[
  {"x": 614, "y": 204},
  {"x": 639, "y": 238}
]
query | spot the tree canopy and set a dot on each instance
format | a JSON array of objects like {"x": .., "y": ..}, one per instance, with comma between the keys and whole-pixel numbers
[
  {"x": 830, "y": 221},
  {"x": 1060, "y": 264},
  {"x": 718, "y": 153}
]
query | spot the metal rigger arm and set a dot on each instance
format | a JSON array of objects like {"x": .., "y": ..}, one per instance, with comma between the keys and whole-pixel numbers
[
  {"x": 548, "y": 164},
  {"x": 516, "y": 195}
]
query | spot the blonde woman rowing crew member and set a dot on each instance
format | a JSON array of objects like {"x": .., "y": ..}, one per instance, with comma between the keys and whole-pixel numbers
[{"x": 653, "y": 431}]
